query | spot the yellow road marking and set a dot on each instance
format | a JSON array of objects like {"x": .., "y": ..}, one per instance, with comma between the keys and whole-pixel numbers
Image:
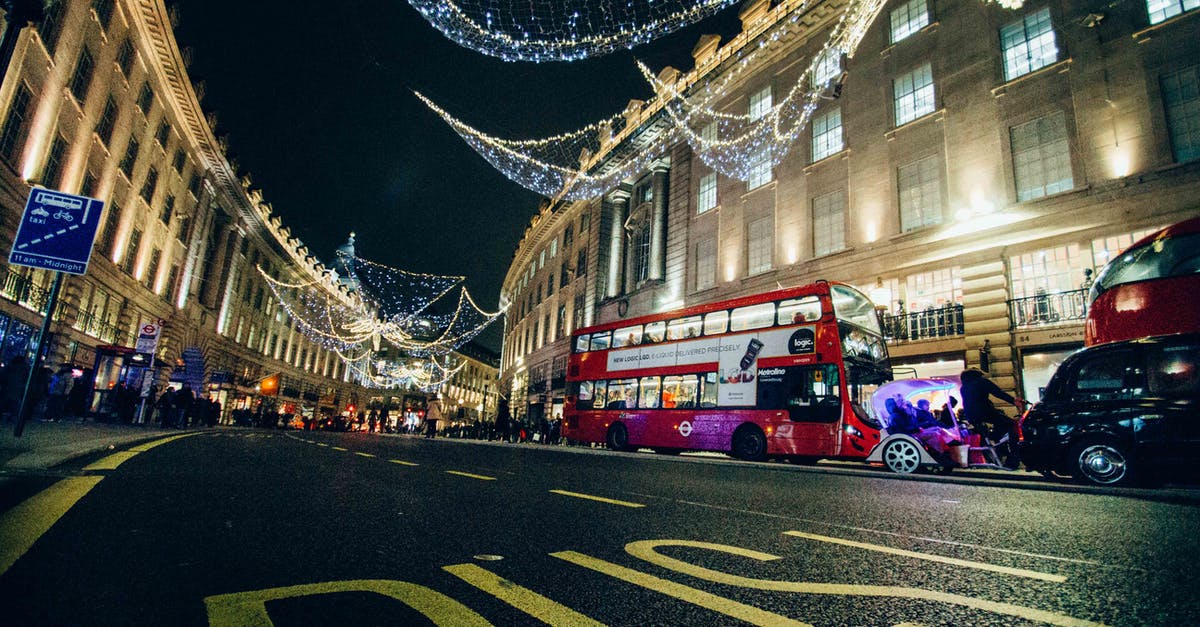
[
  {"x": 528, "y": 601},
  {"x": 364, "y": 454},
  {"x": 691, "y": 595},
  {"x": 645, "y": 550},
  {"x": 249, "y": 609},
  {"x": 22, "y": 525},
  {"x": 338, "y": 448},
  {"x": 322, "y": 444},
  {"x": 598, "y": 498},
  {"x": 1019, "y": 572},
  {"x": 402, "y": 462},
  {"x": 467, "y": 474},
  {"x": 111, "y": 462}
]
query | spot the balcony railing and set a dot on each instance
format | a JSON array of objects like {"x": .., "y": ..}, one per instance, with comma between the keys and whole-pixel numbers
[
  {"x": 1048, "y": 309},
  {"x": 19, "y": 289},
  {"x": 932, "y": 323}
]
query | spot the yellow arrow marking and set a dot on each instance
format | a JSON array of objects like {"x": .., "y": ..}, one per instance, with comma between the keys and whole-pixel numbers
[{"x": 528, "y": 601}]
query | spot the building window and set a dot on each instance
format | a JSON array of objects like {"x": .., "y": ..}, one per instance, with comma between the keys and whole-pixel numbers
[
  {"x": 760, "y": 171},
  {"x": 759, "y": 246},
  {"x": 708, "y": 134},
  {"x": 581, "y": 267},
  {"x": 13, "y": 135},
  {"x": 185, "y": 225},
  {"x": 644, "y": 193},
  {"x": 131, "y": 251},
  {"x": 1181, "y": 97},
  {"x": 920, "y": 194},
  {"x": 1162, "y": 10},
  {"x": 639, "y": 248},
  {"x": 104, "y": 10},
  {"x": 829, "y": 223},
  {"x": 125, "y": 57},
  {"x": 152, "y": 268},
  {"x": 150, "y": 185},
  {"x": 81, "y": 79},
  {"x": 108, "y": 120},
  {"x": 54, "y": 163},
  {"x": 760, "y": 103},
  {"x": 706, "y": 199},
  {"x": 554, "y": 248},
  {"x": 146, "y": 98},
  {"x": 577, "y": 309},
  {"x": 131, "y": 155},
  {"x": 164, "y": 133},
  {"x": 930, "y": 290},
  {"x": 168, "y": 209},
  {"x": 914, "y": 95},
  {"x": 562, "y": 321},
  {"x": 541, "y": 260},
  {"x": 827, "y": 135},
  {"x": 1028, "y": 44},
  {"x": 108, "y": 239},
  {"x": 549, "y": 285},
  {"x": 1105, "y": 248},
  {"x": 194, "y": 185},
  {"x": 568, "y": 236},
  {"x": 829, "y": 67},
  {"x": 180, "y": 161},
  {"x": 51, "y": 26},
  {"x": 706, "y": 264},
  {"x": 909, "y": 18},
  {"x": 564, "y": 275},
  {"x": 1048, "y": 271},
  {"x": 1041, "y": 157}
]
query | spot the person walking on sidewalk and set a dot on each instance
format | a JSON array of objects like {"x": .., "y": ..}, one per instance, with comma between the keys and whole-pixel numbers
[
  {"x": 60, "y": 386},
  {"x": 432, "y": 416},
  {"x": 13, "y": 382}
]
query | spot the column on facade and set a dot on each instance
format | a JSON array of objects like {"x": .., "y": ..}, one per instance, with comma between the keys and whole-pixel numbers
[
  {"x": 214, "y": 284},
  {"x": 985, "y": 321},
  {"x": 658, "y": 223},
  {"x": 614, "y": 212}
]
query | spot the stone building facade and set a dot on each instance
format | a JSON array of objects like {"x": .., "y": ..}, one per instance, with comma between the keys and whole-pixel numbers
[
  {"x": 970, "y": 171},
  {"x": 97, "y": 101}
]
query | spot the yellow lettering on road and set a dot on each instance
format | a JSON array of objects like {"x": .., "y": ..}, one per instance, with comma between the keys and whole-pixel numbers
[
  {"x": 364, "y": 454},
  {"x": 1019, "y": 572},
  {"x": 528, "y": 601},
  {"x": 467, "y": 474},
  {"x": 22, "y": 525},
  {"x": 402, "y": 462},
  {"x": 707, "y": 600},
  {"x": 247, "y": 609},
  {"x": 646, "y": 550},
  {"x": 597, "y": 498}
]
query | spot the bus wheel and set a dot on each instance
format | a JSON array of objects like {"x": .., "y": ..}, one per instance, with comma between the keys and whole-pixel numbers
[
  {"x": 618, "y": 437},
  {"x": 749, "y": 444},
  {"x": 901, "y": 457}
]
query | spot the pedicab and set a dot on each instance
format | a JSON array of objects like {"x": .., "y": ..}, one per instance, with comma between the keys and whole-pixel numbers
[{"x": 944, "y": 447}]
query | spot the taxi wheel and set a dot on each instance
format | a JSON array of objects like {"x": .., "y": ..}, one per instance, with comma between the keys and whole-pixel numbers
[
  {"x": 902, "y": 457},
  {"x": 1103, "y": 463},
  {"x": 618, "y": 437}
]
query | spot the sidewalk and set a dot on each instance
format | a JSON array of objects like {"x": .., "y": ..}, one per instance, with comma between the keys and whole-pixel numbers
[{"x": 47, "y": 444}]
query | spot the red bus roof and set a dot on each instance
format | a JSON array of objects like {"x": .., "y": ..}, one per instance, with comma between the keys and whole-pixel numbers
[
  {"x": 820, "y": 286},
  {"x": 1187, "y": 227}
]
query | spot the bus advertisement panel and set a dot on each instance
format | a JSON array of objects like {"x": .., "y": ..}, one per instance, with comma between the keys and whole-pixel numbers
[{"x": 784, "y": 374}]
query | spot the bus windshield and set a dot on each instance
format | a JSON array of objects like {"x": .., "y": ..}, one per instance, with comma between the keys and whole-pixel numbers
[
  {"x": 851, "y": 306},
  {"x": 1157, "y": 259}
]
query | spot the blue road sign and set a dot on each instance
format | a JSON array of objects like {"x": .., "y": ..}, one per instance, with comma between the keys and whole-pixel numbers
[{"x": 56, "y": 231}]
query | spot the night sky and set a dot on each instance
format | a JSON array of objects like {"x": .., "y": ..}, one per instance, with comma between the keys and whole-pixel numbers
[{"x": 316, "y": 98}]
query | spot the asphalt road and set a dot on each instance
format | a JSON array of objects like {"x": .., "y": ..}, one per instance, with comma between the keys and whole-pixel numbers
[{"x": 295, "y": 528}]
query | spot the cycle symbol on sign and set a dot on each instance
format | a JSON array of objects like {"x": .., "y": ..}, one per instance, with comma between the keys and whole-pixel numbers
[{"x": 64, "y": 215}]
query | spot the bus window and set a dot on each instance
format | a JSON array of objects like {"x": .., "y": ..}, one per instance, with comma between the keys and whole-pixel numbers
[
  {"x": 680, "y": 392},
  {"x": 581, "y": 343},
  {"x": 807, "y": 309},
  {"x": 584, "y": 399},
  {"x": 600, "y": 341},
  {"x": 809, "y": 393},
  {"x": 716, "y": 322},
  {"x": 655, "y": 331},
  {"x": 598, "y": 394},
  {"x": 622, "y": 394},
  {"x": 850, "y": 305},
  {"x": 684, "y": 328},
  {"x": 752, "y": 317},
  {"x": 649, "y": 393},
  {"x": 708, "y": 390},
  {"x": 629, "y": 336}
]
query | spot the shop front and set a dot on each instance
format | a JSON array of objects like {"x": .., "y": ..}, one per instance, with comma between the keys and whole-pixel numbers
[{"x": 1040, "y": 353}]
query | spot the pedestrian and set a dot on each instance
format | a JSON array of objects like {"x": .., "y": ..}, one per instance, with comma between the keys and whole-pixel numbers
[
  {"x": 16, "y": 373},
  {"x": 60, "y": 386},
  {"x": 502, "y": 421},
  {"x": 978, "y": 410},
  {"x": 165, "y": 407},
  {"x": 80, "y": 396},
  {"x": 432, "y": 415},
  {"x": 183, "y": 405}
]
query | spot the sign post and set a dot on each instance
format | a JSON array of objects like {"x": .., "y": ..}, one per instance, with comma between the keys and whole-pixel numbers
[
  {"x": 147, "y": 345},
  {"x": 56, "y": 233}
]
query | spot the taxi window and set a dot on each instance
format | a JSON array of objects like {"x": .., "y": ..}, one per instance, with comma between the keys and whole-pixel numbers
[
  {"x": 716, "y": 322},
  {"x": 752, "y": 317},
  {"x": 684, "y": 328}
]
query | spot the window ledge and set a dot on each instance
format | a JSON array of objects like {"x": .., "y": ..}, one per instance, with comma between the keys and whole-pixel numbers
[
  {"x": 1144, "y": 35},
  {"x": 935, "y": 116},
  {"x": 832, "y": 253},
  {"x": 844, "y": 153},
  {"x": 1058, "y": 67},
  {"x": 928, "y": 28},
  {"x": 706, "y": 212},
  {"x": 768, "y": 185}
]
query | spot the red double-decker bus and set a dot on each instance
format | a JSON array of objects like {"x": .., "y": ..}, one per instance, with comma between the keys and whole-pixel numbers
[
  {"x": 786, "y": 374},
  {"x": 1152, "y": 288}
]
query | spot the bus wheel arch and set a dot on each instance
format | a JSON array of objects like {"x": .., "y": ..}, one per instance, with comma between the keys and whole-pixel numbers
[
  {"x": 617, "y": 437},
  {"x": 749, "y": 443}
]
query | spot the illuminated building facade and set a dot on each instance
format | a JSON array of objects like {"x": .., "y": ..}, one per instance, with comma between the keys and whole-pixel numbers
[{"x": 969, "y": 168}]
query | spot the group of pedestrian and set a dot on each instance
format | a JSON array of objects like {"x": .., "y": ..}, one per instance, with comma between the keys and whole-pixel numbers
[
  {"x": 53, "y": 395},
  {"x": 182, "y": 409}
]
